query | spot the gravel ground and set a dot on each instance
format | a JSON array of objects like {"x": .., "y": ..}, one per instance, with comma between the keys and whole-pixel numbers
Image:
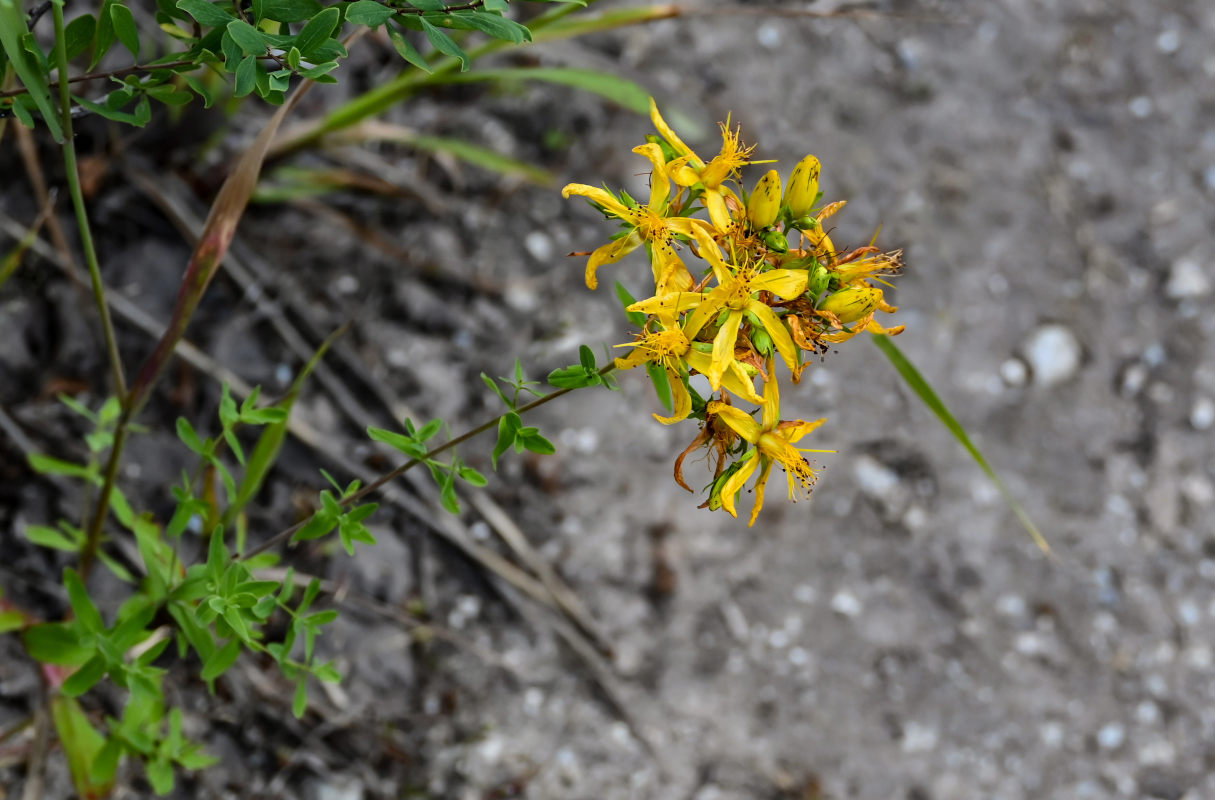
[{"x": 1050, "y": 170}]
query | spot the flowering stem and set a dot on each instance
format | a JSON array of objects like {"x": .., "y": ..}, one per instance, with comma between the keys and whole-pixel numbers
[
  {"x": 93, "y": 536},
  {"x": 287, "y": 533}
]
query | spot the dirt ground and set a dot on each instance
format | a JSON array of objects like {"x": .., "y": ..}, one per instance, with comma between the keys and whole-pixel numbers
[{"x": 1049, "y": 169}]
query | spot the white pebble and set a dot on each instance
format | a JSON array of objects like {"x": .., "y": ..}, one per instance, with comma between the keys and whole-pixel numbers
[
  {"x": 1051, "y": 733},
  {"x": 346, "y": 284},
  {"x": 1011, "y": 605},
  {"x": 1187, "y": 279},
  {"x": 1168, "y": 41},
  {"x": 846, "y": 603},
  {"x": 1147, "y": 713},
  {"x": 874, "y": 477},
  {"x": 1014, "y": 372},
  {"x": 1202, "y": 413},
  {"x": 1140, "y": 107},
  {"x": 1053, "y": 353},
  {"x": 918, "y": 738},
  {"x": 804, "y": 593},
  {"x": 1111, "y": 736},
  {"x": 769, "y": 35},
  {"x": 539, "y": 244},
  {"x": 798, "y": 657}
]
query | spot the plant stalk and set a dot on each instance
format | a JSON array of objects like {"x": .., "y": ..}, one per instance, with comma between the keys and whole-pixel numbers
[{"x": 287, "y": 533}]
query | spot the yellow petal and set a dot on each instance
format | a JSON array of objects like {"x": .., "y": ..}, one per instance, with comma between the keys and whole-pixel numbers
[
  {"x": 681, "y": 398},
  {"x": 600, "y": 196},
  {"x": 636, "y": 358},
  {"x": 668, "y": 305},
  {"x": 718, "y": 212},
  {"x": 735, "y": 482},
  {"x": 795, "y": 433},
  {"x": 610, "y": 253},
  {"x": 760, "y": 484},
  {"x": 723, "y": 348},
  {"x": 710, "y": 252},
  {"x": 776, "y": 329},
  {"x": 784, "y": 283},
  {"x": 739, "y": 421},
  {"x": 665, "y": 131},
  {"x": 660, "y": 184}
]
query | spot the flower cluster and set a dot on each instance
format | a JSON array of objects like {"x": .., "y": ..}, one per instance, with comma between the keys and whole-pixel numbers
[{"x": 771, "y": 286}]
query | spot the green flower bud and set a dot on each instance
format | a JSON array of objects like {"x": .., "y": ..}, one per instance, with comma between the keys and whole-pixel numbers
[
  {"x": 762, "y": 341},
  {"x": 819, "y": 279},
  {"x": 803, "y": 187},
  {"x": 775, "y": 241},
  {"x": 852, "y": 304}
]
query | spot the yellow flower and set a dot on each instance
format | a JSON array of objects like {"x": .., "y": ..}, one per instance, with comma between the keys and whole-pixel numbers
[
  {"x": 670, "y": 348},
  {"x": 734, "y": 292},
  {"x": 773, "y": 442},
  {"x": 691, "y": 169},
  {"x": 649, "y": 224}
]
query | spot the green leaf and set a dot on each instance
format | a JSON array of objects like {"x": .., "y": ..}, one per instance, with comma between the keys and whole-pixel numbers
[
  {"x": 626, "y": 300},
  {"x": 86, "y": 677},
  {"x": 320, "y": 525},
  {"x": 369, "y": 13},
  {"x": 428, "y": 5},
  {"x": 82, "y": 604},
  {"x": 200, "y": 89},
  {"x": 299, "y": 703},
  {"x": 494, "y": 25},
  {"x": 125, "y": 28},
  {"x": 46, "y": 465},
  {"x": 327, "y": 673},
  {"x": 406, "y": 50},
  {"x": 78, "y": 35},
  {"x": 408, "y": 445},
  {"x": 662, "y": 384},
  {"x": 471, "y": 476},
  {"x": 138, "y": 118},
  {"x": 537, "y": 444},
  {"x": 58, "y": 643},
  {"x": 929, "y": 397},
  {"x": 118, "y": 570},
  {"x": 246, "y": 76},
  {"x": 13, "y": 29},
  {"x": 49, "y": 537},
  {"x": 188, "y": 436},
  {"x": 247, "y": 38},
  {"x": 12, "y": 620},
  {"x": 209, "y": 15},
  {"x": 81, "y": 744},
  {"x": 507, "y": 431},
  {"x": 321, "y": 617},
  {"x": 317, "y": 31},
  {"x": 160, "y": 775},
  {"x": 289, "y": 10},
  {"x": 445, "y": 44},
  {"x": 221, "y": 660}
]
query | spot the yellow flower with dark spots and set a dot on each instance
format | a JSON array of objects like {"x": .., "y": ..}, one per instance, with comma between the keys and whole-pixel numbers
[
  {"x": 649, "y": 224},
  {"x": 773, "y": 443}
]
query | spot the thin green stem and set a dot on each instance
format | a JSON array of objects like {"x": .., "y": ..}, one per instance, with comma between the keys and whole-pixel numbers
[
  {"x": 82, "y": 219},
  {"x": 287, "y": 533},
  {"x": 93, "y": 536}
]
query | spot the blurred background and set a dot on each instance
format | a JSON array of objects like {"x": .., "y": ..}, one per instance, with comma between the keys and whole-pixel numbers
[{"x": 1049, "y": 170}]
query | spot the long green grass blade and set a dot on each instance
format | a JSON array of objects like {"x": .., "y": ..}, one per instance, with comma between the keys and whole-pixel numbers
[
  {"x": 930, "y": 398},
  {"x": 619, "y": 90}
]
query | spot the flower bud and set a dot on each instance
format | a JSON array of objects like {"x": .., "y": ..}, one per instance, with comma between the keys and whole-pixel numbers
[
  {"x": 775, "y": 241},
  {"x": 763, "y": 205},
  {"x": 819, "y": 279},
  {"x": 762, "y": 341},
  {"x": 803, "y": 187},
  {"x": 852, "y": 304}
]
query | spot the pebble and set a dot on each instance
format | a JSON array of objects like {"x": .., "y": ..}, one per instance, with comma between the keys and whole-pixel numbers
[
  {"x": 874, "y": 477},
  {"x": 1140, "y": 107},
  {"x": 1014, "y": 372},
  {"x": 1202, "y": 413},
  {"x": 540, "y": 245},
  {"x": 1168, "y": 41},
  {"x": 846, "y": 603},
  {"x": 1187, "y": 279},
  {"x": 769, "y": 36},
  {"x": 1111, "y": 736},
  {"x": 1053, "y": 354}
]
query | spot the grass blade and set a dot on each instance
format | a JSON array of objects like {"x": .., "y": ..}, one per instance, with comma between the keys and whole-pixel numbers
[
  {"x": 921, "y": 387},
  {"x": 619, "y": 90}
]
